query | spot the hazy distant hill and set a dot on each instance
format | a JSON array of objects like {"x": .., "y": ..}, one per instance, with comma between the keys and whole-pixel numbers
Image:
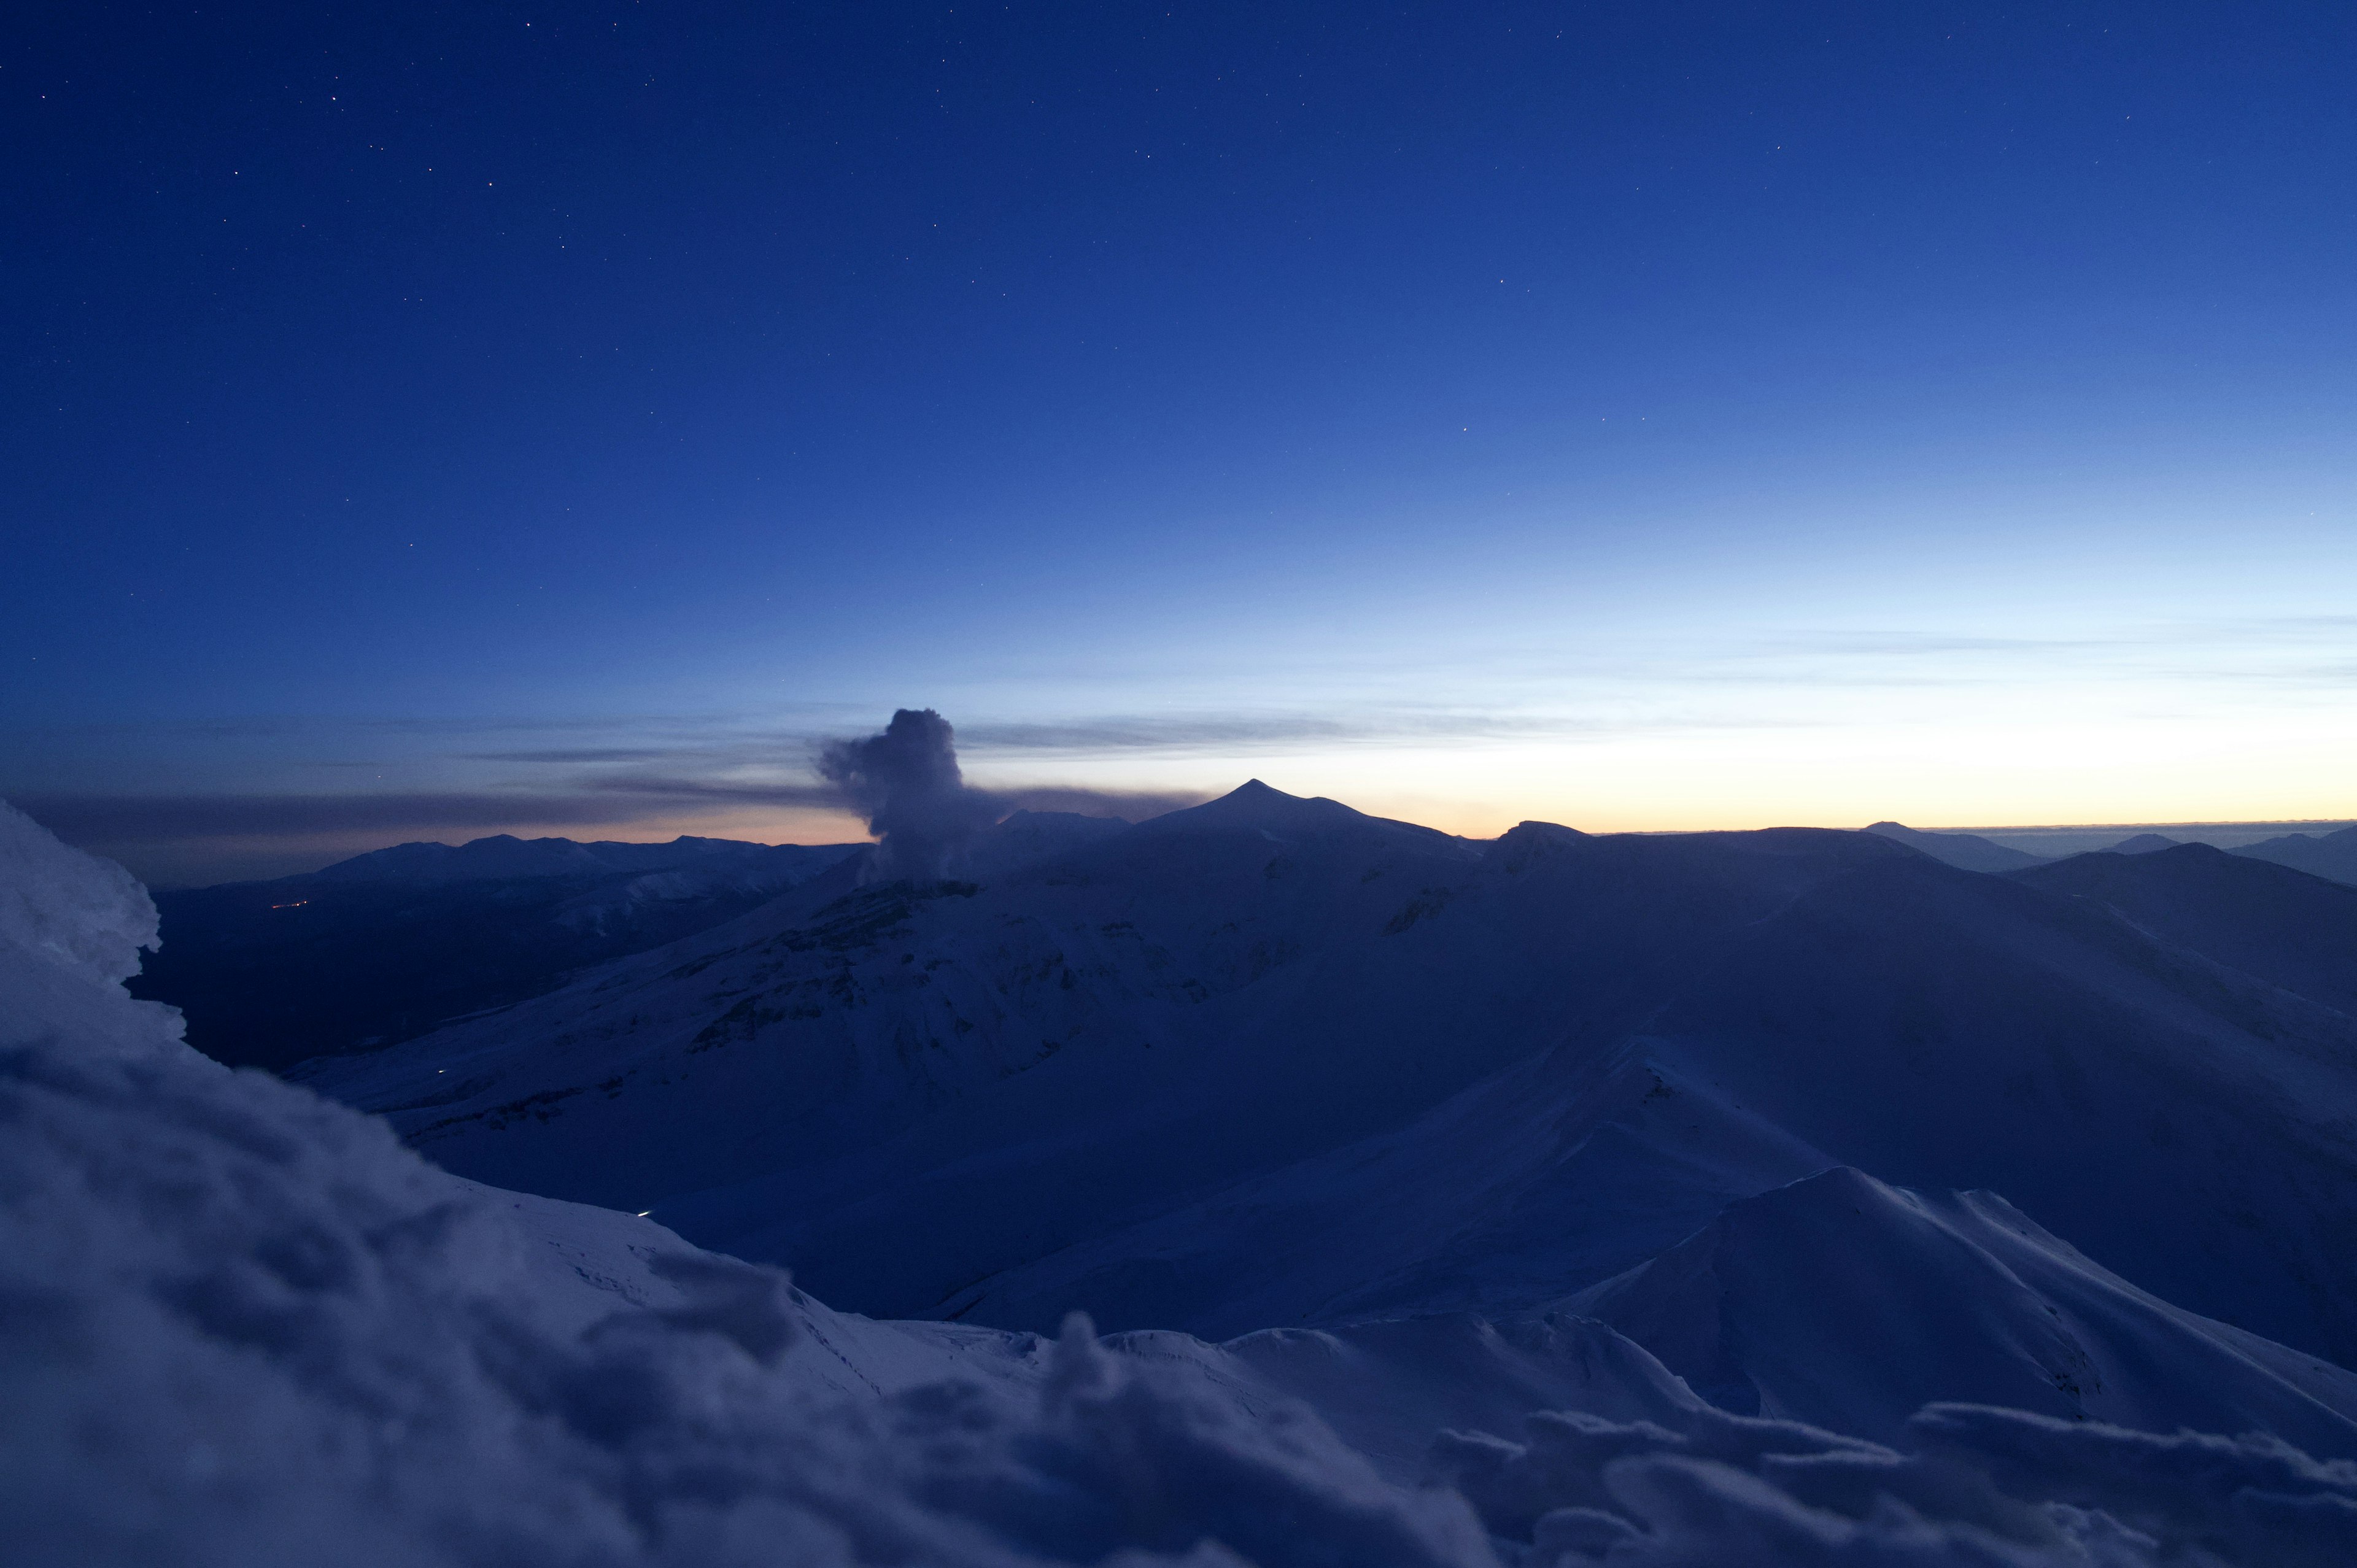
[
  {"x": 1969, "y": 852},
  {"x": 2330, "y": 854},
  {"x": 504, "y": 857},
  {"x": 390, "y": 944}
]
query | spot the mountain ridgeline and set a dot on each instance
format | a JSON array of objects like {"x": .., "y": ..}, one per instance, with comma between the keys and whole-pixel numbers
[{"x": 1271, "y": 1061}]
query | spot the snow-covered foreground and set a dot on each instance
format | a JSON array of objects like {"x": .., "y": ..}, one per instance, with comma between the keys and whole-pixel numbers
[{"x": 240, "y": 1323}]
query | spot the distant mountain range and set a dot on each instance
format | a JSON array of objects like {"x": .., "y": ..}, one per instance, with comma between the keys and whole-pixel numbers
[
  {"x": 504, "y": 857},
  {"x": 1271, "y": 1061},
  {"x": 387, "y": 945},
  {"x": 2332, "y": 856},
  {"x": 1969, "y": 852}
]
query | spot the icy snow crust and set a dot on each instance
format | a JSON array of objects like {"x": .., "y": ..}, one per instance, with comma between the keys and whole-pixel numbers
[{"x": 242, "y": 1325}]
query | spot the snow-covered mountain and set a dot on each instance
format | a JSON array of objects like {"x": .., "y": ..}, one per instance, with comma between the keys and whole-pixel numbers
[
  {"x": 1270, "y": 1061},
  {"x": 388, "y": 945},
  {"x": 240, "y": 1324},
  {"x": 1962, "y": 1297}
]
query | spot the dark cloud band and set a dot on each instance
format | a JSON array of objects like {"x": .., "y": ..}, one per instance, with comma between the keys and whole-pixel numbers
[
  {"x": 157, "y": 818},
  {"x": 144, "y": 819}
]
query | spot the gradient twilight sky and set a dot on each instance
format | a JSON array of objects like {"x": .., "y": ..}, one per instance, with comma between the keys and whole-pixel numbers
[{"x": 426, "y": 420}]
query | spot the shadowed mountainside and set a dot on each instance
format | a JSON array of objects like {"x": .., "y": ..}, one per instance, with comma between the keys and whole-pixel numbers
[{"x": 388, "y": 945}]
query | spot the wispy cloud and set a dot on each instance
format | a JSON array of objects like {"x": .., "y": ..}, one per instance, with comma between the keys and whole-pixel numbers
[
  {"x": 558, "y": 754},
  {"x": 731, "y": 791},
  {"x": 1130, "y": 805},
  {"x": 1240, "y": 733}
]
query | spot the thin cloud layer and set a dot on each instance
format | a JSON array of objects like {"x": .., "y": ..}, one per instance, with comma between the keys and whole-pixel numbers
[{"x": 904, "y": 782}]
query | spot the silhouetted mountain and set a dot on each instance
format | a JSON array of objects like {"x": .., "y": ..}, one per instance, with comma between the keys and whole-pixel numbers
[
  {"x": 2285, "y": 927},
  {"x": 2332, "y": 854},
  {"x": 504, "y": 857},
  {"x": 2141, "y": 845},
  {"x": 1968, "y": 852}
]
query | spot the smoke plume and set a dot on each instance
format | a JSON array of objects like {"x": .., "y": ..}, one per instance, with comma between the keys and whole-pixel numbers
[{"x": 906, "y": 783}]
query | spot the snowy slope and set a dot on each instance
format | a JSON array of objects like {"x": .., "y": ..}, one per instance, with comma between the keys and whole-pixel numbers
[
  {"x": 2282, "y": 926},
  {"x": 239, "y": 1326},
  {"x": 242, "y": 1326},
  {"x": 1849, "y": 1305},
  {"x": 2185, "y": 1125},
  {"x": 1560, "y": 1170},
  {"x": 1911, "y": 1020}
]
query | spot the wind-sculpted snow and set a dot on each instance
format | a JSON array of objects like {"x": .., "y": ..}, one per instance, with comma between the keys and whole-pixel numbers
[
  {"x": 241, "y": 1326},
  {"x": 87, "y": 916},
  {"x": 71, "y": 926},
  {"x": 1974, "y": 1484}
]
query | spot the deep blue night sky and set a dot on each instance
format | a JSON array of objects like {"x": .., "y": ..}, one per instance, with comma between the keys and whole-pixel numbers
[{"x": 423, "y": 420}]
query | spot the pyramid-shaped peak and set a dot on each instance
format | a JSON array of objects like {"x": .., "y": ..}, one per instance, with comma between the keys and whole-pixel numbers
[
  {"x": 1257, "y": 807},
  {"x": 1254, "y": 795},
  {"x": 1253, "y": 804}
]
